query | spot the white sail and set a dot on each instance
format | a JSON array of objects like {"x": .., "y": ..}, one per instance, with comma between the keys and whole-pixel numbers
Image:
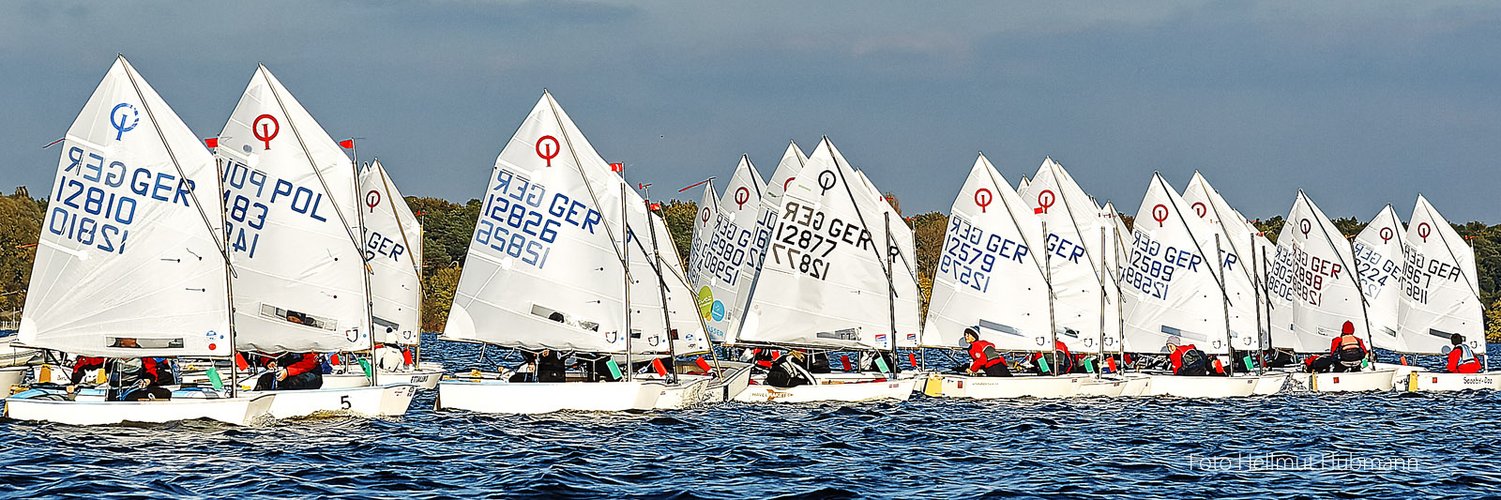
[
  {"x": 1441, "y": 293},
  {"x": 1236, "y": 243},
  {"x": 822, "y": 283},
  {"x": 1171, "y": 288},
  {"x": 1312, "y": 286},
  {"x": 1023, "y": 183},
  {"x": 288, "y": 196},
  {"x": 648, "y": 325},
  {"x": 788, "y": 167},
  {"x": 393, "y": 246},
  {"x": 547, "y": 245},
  {"x": 727, "y": 264},
  {"x": 907, "y": 300},
  {"x": 1073, "y": 225},
  {"x": 989, "y": 275},
  {"x": 1378, "y": 259},
  {"x": 128, "y": 247},
  {"x": 703, "y": 231}
]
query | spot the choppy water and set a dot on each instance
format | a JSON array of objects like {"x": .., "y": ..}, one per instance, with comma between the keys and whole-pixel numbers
[{"x": 1434, "y": 445}]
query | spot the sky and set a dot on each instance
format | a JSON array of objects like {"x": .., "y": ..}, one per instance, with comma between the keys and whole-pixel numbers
[{"x": 1359, "y": 104}]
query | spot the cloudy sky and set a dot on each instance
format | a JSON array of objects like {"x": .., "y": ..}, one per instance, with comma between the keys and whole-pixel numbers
[{"x": 1360, "y": 104}]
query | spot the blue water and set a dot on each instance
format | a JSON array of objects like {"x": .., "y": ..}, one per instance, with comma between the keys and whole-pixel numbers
[{"x": 1434, "y": 445}]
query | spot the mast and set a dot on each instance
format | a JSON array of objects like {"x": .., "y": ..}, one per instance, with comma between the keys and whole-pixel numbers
[
  {"x": 365, "y": 263},
  {"x": 1103, "y": 298},
  {"x": 890, "y": 289},
  {"x": 1219, "y": 257},
  {"x": 1047, "y": 260},
  {"x": 662, "y": 290},
  {"x": 229, "y": 270},
  {"x": 625, "y": 252},
  {"x": 1256, "y": 288}
]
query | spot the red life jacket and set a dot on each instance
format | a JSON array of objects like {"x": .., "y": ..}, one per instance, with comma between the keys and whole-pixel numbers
[{"x": 984, "y": 355}]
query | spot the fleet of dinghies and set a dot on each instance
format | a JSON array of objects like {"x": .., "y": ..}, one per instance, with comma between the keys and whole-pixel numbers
[{"x": 299, "y": 252}]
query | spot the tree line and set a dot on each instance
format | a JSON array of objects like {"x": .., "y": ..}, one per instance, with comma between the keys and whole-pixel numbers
[{"x": 448, "y": 227}]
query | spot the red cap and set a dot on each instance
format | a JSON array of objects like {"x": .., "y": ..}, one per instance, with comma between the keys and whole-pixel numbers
[{"x": 1348, "y": 328}]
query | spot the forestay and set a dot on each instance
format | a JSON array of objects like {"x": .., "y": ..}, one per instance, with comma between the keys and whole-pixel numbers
[
  {"x": 1440, "y": 293},
  {"x": 127, "y": 249},
  {"x": 1073, "y": 240},
  {"x": 544, "y": 267},
  {"x": 1171, "y": 289},
  {"x": 988, "y": 275},
  {"x": 1378, "y": 260},
  {"x": 287, "y": 189},
  {"x": 823, "y": 283},
  {"x": 1233, "y": 238},
  {"x": 393, "y": 247},
  {"x": 1313, "y": 289}
]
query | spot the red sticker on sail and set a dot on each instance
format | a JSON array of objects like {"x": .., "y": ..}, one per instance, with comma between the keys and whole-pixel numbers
[
  {"x": 548, "y": 148},
  {"x": 1159, "y": 214},
  {"x": 983, "y": 197},
  {"x": 1045, "y": 201}
]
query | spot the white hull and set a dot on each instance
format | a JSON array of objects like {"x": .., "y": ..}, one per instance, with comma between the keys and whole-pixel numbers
[
  {"x": 496, "y": 396},
  {"x": 900, "y": 389},
  {"x": 1378, "y": 380},
  {"x": 243, "y": 410},
  {"x": 1211, "y": 386},
  {"x": 383, "y": 401},
  {"x": 1103, "y": 387},
  {"x": 345, "y": 380},
  {"x": 11, "y": 355},
  {"x": 696, "y": 390},
  {"x": 1399, "y": 379},
  {"x": 425, "y": 376},
  {"x": 11, "y": 376},
  {"x": 1137, "y": 385},
  {"x": 1423, "y": 381},
  {"x": 1020, "y": 386},
  {"x": 1271, "y": 383}
]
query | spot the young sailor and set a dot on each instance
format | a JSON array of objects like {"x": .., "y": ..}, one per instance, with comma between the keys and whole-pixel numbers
[
  {"x": 1061, "y": 358},
  {"x": 788, "y": 371},
  {"x": 1461, "y": 358},
  {"x": 1187, "y": 359},
  {"x": 1346, "y": 353},
  {"x": 291, "y": 371},
  {"x": 987, "y": 362}
]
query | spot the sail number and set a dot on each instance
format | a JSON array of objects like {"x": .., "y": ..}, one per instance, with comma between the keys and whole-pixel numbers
[
  {"x": 96, "y": 198},
  {"x": 1375, "y": 269},
  {"x": 521, "y": 219},
  {"x": 806, "y": 236},
  {"x": 970, "y": 254},
  {"x": 1297, "y": 275},
  {"x": 1153, "y": 265},
  {"x": 1422, "y": 272},
  {"x": 249, "y": 195}
]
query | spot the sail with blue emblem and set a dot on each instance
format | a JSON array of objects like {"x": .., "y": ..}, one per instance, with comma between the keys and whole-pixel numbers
[{"x": 129, "y": 245}]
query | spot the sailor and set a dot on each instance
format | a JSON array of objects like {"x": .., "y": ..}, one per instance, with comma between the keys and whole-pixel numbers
[
  {"x": 1461, "y": 358},
  {"x": 985, "y": 360},
  {"x": 868, "y": 361},
  {"x": 1059, "y": 362},
  {"x": 1346, "y": 353},
  {"x": 788, "y": 371},
  {"x": 290, "y": 372},
  {"x": 550, "y": 366},
  {"x": 81, "y": 368},
  {"x": 1187, "y": 359},
  {"x": 761, "y": 359},
  {"x": 133, "y": 379}
]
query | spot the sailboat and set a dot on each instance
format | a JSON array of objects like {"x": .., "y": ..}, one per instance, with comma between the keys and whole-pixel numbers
[
  {"x": 551, "y": 240},
  {"x": 1174, "y": 293},
  {"x": 301, "y": 284},
  {"x": 1236, "y": 238},
  {"x": 825, "y": 282},
  {"x": 131, "y": 257},
  {"x": 1313, "y": 290},
  {"x": 1440, "y": 297},
  {"x": 393, "y": 248},
  {"x": 991, "y": 278},
  {"x": 1086, "y": 303}
]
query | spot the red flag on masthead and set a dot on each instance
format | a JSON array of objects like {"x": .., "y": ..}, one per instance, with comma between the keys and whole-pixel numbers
[
  {"x": 211, "y": 142},
  {"x": 617, "y": 167},
  {"x": 347, "y": 144}
]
